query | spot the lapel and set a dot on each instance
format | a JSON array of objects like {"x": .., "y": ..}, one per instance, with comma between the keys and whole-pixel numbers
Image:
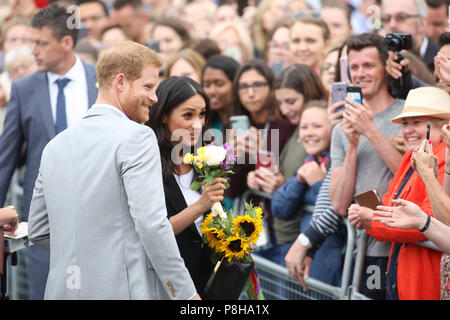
[
  {"x": 175, "y": 197},
  {"x": 43, "y": 101},
  {"x": 41, "y": 92}
]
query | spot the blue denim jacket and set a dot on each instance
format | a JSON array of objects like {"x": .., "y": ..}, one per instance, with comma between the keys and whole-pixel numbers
[{"x": 292, "y": 195}]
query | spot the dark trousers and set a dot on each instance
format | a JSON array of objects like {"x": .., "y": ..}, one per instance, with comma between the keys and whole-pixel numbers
[
  {"x": 38, "y": 266},
  {"x": 373, "y": 279}
]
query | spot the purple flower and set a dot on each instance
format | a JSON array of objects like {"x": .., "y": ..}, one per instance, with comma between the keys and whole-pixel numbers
[{"x": 230, "y": 157}]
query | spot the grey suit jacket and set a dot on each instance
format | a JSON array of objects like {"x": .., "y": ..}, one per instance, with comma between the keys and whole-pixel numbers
[
  {"x": 99, "y": 200},
  {"x": 29, "y": 120}
]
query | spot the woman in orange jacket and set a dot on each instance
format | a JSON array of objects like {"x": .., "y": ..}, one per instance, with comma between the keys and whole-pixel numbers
[{"x": 413, "y": 270}]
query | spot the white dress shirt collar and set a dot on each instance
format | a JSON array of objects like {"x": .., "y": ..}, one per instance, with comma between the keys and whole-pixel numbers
[
  {"x": 423, "y": 48},
  {"x": 76, "y": 72}
]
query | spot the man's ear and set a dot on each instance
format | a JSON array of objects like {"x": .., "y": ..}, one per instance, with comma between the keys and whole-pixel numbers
[
  {"x": 67, "y": 43},
  {"x": 120, "y": 82}
]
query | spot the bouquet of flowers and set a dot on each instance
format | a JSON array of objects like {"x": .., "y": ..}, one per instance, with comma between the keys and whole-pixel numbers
[
  {"x": 232, "y": 238},
  {"x": 210, "y": 162}
]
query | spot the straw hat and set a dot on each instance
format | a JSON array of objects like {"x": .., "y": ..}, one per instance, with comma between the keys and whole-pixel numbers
[{"x": 425, "y": 101}]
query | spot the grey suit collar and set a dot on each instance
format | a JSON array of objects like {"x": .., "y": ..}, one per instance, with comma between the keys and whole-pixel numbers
[
  {"x": 44, "y": 104},
  {"x": 105, "y": 109}
]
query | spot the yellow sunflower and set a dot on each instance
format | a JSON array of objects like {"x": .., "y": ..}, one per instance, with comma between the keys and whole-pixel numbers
[
  {"x": 214, "y": 236},
  {"x": 248, "y": 227},
  {"x": 235, "y": 247},
  {"x": 259, "y": 212}
]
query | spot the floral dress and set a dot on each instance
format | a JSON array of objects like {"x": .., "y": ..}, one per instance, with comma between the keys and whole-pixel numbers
[{"x": 445, "y": 277}]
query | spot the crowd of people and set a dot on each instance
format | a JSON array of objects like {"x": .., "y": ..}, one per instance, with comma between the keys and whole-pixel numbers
[{"x": 74, "y": 72}]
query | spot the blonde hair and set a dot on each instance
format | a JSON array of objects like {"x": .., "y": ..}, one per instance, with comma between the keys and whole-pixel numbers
[
  {"x": 194, "y": 58},
  {"x": 127, "y": 57},
  {"x": 245, "y": 40}
]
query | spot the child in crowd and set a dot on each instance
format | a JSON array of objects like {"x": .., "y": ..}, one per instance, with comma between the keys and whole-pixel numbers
[{"x": 301, "y": 190}]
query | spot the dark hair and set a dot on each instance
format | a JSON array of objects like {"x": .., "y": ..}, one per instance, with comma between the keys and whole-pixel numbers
[
  {"x": 206, "y": 47},
  {"x": 263, "y": 69},
  {"x": 119, "y": 4},
  {"x": 444, "y": 39},
  {"x": 228, "y": 65},
  {"x": 175, "y": 25},
  {"x": 55, "y": 18},
  {"x": 101, "y": 3},
  {"x": 172, "y": 92},
  {"x": 365, "y": 40},
  {"x": 337, "y": 75},
  {"x": 302, "y": 79},
  {"x": 111, "y": 27},
  {"x": 437, "y": 4}
]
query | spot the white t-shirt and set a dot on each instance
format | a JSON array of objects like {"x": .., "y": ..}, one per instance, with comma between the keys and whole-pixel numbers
[{"x": 190, "y": 196}]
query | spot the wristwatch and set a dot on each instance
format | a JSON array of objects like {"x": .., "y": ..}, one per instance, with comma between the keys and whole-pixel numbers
[{"x": 304, "y": 240}]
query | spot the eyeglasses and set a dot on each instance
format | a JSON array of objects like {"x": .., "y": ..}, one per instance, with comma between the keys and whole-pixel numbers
[
  {"x": 399, "y": 17},
  {"x": 309, "y": 13},
  {"x": 257, "y": 86}
]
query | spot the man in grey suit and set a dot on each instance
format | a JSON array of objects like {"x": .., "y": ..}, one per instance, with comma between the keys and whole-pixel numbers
[
  {"x": 98, "y": 202},
  {"x": 38, "y": 110}
]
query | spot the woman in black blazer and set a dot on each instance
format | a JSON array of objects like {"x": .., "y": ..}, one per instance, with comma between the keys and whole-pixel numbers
[{"x": 179, "y": 119}]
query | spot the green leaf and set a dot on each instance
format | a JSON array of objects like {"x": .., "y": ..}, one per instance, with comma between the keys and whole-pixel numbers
[
  {"x": 209, "y": 180},
  {"x": 195, "y": 185}
]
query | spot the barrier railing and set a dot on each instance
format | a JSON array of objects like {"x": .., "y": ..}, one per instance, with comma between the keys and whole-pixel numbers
[
  {"x": 288, "y": 288},
  {"x": 273, "y": 275},
  {"x": 359, "y": 264},
  {"x": 276, "y": 283}
]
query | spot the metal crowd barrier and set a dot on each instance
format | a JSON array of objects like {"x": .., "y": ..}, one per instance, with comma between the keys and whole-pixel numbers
[
  {"x": 17, "y": 282},
  {"x": 277, "y": 284},
  {"x": 359, "y": 264}
]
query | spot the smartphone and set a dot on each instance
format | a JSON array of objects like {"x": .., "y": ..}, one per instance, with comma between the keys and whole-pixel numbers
[
  {"x": 343, "y": 66},
  {"x": 338, "y": 91},
  {"x": 428, "y": 130},
  {"x": 265, "y": 159},
  {"x": 354, "y": 93},
  {"x": 241, "y": 123},
  {"x": 370, "y": 199}
]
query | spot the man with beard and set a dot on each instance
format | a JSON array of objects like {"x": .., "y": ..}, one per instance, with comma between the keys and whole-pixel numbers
[
  {"x": 98, "y": 202},
  {"x": 41, "y": 106}
]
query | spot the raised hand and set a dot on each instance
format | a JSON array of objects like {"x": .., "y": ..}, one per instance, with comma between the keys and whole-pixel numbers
[
  {"x": 404, "y": 214},
  {"x": 424, "y": 161},
  {"x": 311, "y": 172},
  {"x": 360, "y": 116},
  {"x": 360, "y": 217},
  {"x": 393, "y": 68}
]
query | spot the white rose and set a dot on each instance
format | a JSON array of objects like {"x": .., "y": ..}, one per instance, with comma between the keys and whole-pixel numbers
[
  {"x": 217, "y": 210},
  {"x": 215, "y": 155}
]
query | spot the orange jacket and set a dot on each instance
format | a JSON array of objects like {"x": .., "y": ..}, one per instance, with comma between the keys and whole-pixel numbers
[{"x": 418, "y": 270}]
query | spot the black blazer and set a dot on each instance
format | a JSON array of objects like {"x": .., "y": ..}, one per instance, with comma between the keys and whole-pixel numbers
[
  {"x": 430, "y": 53},
  {"x": 196, "y": 254}
]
